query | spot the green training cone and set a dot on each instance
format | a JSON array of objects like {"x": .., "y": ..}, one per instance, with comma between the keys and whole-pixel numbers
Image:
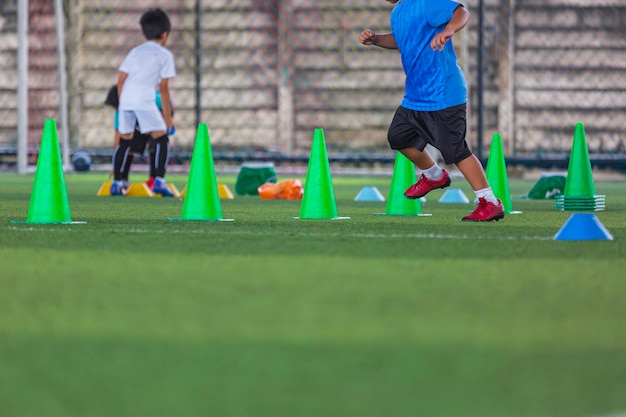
[
  {"x": 318, "y": 201},
  {"x": 496, "y": 174},
  {"x": 579, "y": 179},
  {"x": 202, "y": 200},
  {"x": 49, "y": 203},
  {"x": 403, "y": 177}
]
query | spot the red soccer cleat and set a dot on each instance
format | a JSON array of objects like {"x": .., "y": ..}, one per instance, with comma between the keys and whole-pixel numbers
[
  {"x": 485, "y": 212},
  {"x": 150, "y": 183},
  {"x": 425, "y": 185}
]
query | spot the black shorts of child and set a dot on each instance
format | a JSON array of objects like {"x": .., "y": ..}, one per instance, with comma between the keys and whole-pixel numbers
[{"x": 444, "y": 129}]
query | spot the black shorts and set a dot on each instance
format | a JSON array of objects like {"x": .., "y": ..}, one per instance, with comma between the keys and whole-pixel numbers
[{"x": 444, "y": 129}]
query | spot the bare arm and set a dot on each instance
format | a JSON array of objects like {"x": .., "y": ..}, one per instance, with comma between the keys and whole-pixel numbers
[
  {"x": 164, "y": 89},
  {"x": 459, "y": 20},
  {"x": 386, "y": 40},
  {"x": 116, "y": 139},
  {"x": 121, "y": 79}
]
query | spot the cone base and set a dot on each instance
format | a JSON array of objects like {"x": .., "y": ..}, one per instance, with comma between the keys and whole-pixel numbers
[
  {"x": 136, "y": 189},
  {"x": 594, "y": 203},
  {"x": 454, "y": 196},
  {"x": 140, "y": 189},
  {"x": 583, "y": 227},
  {"x": 201, "y": 220},
  {"x": 369, "y": 194},
  {"x": 325, "y": 218},
  {"x": 25, "y": 222},
  {"x": 404, "y": 215}
]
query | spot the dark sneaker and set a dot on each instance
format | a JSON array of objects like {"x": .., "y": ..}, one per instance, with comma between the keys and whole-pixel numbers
[
  {"x": 485, "y": 212},
  {"x": 118, "y": 188},
  {"x": 160, "y": 187},
  {"x": 425, "y": 185}
]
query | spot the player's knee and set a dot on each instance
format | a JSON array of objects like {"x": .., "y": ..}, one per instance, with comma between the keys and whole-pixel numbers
[
  {"x": 161, "y": 140},
  {"x": 124, "y": 143}
]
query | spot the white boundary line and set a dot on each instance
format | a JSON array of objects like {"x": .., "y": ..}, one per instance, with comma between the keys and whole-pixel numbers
[{"x": 287, "y": 234}]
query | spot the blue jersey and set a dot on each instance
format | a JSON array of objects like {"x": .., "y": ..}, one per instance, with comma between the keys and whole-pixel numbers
[{"x": 434, "y": 81}]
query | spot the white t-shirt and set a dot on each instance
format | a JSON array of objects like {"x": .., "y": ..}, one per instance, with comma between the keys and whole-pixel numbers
[{"x": 146, "y": 65}]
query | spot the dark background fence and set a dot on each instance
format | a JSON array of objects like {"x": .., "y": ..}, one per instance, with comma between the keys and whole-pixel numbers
[{"x": 262, "y": 74}]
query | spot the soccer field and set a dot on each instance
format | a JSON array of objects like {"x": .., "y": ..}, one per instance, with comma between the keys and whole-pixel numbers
[{"x": 134, "y": 315}]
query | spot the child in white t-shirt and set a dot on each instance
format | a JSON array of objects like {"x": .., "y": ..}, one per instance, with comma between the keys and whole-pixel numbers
[
  {"x": 147, "y": 69},
  {"x": 138, "y": 143}
]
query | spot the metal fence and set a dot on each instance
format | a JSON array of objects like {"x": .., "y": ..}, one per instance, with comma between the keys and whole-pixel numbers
[
  {"x": 264, "y": 73},
  {"x": 550, "y": 64}
]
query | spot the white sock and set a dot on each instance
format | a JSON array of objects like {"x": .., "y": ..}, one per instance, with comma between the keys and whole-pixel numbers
[
  {"x": 487, "y": 194},
  {"x": 433, "y": 173}
]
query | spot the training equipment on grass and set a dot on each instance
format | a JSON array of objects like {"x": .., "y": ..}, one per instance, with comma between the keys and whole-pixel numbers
[
  {"x": 49, "y": 203},
  {"x": 81, "y": 161},
  {"x": 283, "y": 190},
  {"x": 222, "y": 189},
  {"x": 224, "y": 192},
  {"x": 318, "y": 200},
  {"x": 547, "y": 186},
  {"x": 252, "y": 175},
  {"x": 369, "y": 194},
  {"x": 133, "y": 190},
  {"x": 583, "y": 226},
  {"x": 496, "y": 174},
  {"x": 580, "y": 191},
  {"x": 105, "y": 189},
  {"x": 137, "y": 189},
  {"x": 202, "y": 201},
  {"x": 454, "y": 195},
  {"x": 403, "y": 177}
]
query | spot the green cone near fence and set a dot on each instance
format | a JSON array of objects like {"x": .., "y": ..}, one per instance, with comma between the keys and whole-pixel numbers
[
  {"x": 580, "y": 191},
  {"x": 49, "y": 202},
  {"x": 497, "y": 175},
  {"x": 402, "y": 178},
  {"x": 318, "y": 200},
  {"x": 202, "y": 200},
  {"x": 579, "y": 178}
]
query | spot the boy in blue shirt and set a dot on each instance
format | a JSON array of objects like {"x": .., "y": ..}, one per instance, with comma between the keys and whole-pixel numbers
[
  {"x": 146, "y": 66},
  {"x": 433, "y": 110}
]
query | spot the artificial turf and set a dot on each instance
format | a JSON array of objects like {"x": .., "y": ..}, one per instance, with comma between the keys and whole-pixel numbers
[{"x": 134, "y": 315}]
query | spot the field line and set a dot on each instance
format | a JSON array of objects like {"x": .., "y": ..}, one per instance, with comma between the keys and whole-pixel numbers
[{"x": 298, "y": 234}]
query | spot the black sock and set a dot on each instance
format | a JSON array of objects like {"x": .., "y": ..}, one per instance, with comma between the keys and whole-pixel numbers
[
  {"x": 160, "y": 154},
  {"x": 152, "y": 154},
  {"x": 120, "y": 156},
  {"x": 128, "y": 161}
]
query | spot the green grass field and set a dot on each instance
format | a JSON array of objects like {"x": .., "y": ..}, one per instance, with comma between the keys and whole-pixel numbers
[{"x": 377, "y": 316}]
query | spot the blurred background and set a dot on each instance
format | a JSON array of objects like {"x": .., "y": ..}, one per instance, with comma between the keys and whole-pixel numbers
[{"x": 263, "y": 74}]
